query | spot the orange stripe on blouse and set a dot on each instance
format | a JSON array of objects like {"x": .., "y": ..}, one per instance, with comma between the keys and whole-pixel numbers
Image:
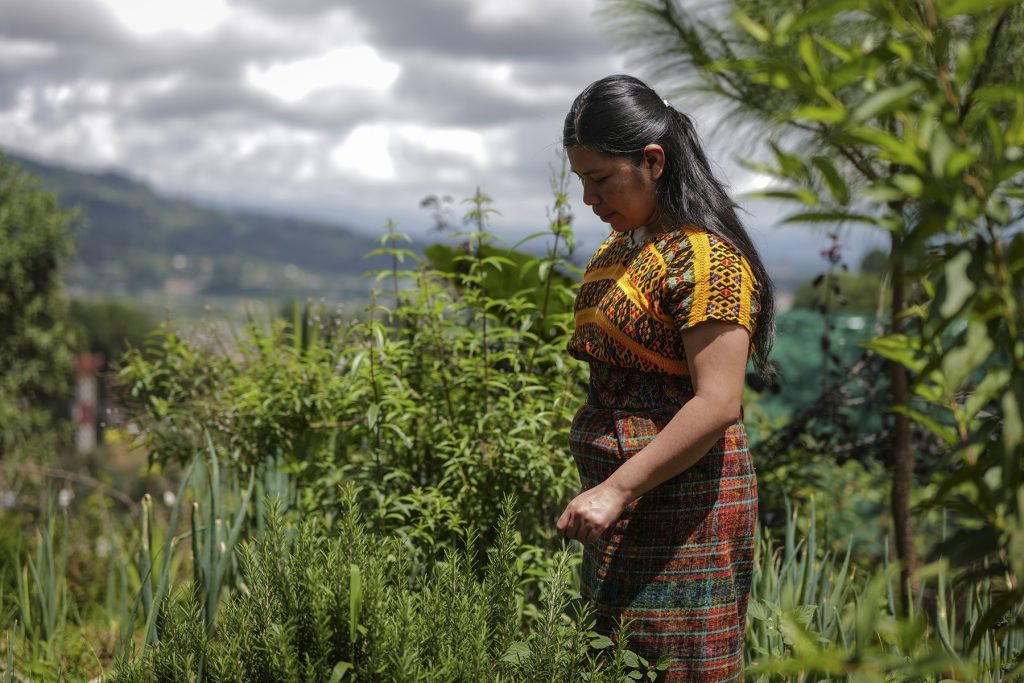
[
  {"x": 620, "y": 274},
  {"x": 596, "y": 316}
]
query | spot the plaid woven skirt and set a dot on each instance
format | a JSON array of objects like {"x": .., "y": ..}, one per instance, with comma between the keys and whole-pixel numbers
[{"x": 677, "y": 564}]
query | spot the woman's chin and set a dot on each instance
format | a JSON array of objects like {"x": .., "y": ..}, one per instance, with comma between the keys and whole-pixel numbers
[{"x": 616, "y": 223}]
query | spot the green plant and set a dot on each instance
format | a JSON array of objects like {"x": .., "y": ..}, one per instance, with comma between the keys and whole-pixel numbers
[
  {"x": 439, "y": 405},
  {"x": 36, "y": 339},
  {"x": 343, "y": 605},
  {"x": 902, "y": 117},
  {"x": 42, "y": 583},
  {"x": 813, "y": 616}
]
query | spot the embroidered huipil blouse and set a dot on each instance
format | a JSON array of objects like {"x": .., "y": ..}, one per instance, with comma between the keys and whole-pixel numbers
[{"x": 636, "y": 300}]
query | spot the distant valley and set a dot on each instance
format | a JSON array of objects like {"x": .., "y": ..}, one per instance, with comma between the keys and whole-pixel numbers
[{"x": 134, "y": 241}]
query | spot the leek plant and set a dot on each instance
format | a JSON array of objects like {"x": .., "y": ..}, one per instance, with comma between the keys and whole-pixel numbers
[
  {"x": 812, "y": 618},
  {"x": 42, "y": 588}
]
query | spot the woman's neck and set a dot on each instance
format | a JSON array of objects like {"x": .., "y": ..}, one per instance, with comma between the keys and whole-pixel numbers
[{"x": 645, "y": 233}]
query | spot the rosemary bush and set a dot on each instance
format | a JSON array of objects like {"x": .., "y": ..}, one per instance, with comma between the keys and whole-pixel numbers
[{"x": 319, "y": 606}]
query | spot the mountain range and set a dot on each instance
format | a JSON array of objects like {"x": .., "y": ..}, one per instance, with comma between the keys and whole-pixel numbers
[{"x": 133, "y": 240}]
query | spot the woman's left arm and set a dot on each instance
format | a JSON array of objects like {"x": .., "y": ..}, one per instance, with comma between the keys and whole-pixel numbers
[{"x": 716, "y": 353}]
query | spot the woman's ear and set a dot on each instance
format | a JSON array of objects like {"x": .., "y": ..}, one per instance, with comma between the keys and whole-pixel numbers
[{"x": 654, "y": 160}]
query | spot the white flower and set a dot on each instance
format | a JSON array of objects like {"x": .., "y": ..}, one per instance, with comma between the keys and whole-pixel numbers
[
  {"x": 65, "y": 497},
  {"x": 169, "y": 498}
]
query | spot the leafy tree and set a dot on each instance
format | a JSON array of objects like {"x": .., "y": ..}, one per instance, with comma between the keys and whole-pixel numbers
[
  {"x": 110, "y": 326},
  {"x": 36, "y": 339},
  {"x": 873, "y": 262},
  {"x": 906, "y": 117}
]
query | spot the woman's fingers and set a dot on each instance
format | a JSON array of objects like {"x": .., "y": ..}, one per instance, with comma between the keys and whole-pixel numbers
[
  {"x": 566, "y": 524},
  {"x": 572, "y": 525},
  {"x": 583, "y": 520},
  {"x": 584, "y": 530}
]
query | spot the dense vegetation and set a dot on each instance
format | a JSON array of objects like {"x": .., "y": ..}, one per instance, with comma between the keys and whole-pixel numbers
[{"x": 373, "y": 499}]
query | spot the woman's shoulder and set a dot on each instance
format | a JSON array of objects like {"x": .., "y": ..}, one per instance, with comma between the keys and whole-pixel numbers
[{"x": 683, "y": 246}]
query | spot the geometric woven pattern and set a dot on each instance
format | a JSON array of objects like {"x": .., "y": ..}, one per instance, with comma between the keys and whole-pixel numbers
[
  {"x": 678, "y": 562},
  {"x": 635, "y": 300}
]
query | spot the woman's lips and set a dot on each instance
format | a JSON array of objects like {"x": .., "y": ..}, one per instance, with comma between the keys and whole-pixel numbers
[{"x": 606, "y": 216}]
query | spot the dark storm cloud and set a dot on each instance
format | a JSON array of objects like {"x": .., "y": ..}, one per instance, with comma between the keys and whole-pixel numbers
[
  {"x": 66, "y": 22},
  {"x": 456, "y": 92},
  {"x": 554, "y": 31},
  {"x": 447, "y": 27}
]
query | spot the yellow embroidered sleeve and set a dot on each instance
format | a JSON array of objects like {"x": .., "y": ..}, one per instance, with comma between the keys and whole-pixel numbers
[{"x": 711, "y": 281}]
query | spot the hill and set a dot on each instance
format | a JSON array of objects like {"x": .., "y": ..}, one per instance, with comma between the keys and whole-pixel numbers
[{"x": 135, "y": 240}]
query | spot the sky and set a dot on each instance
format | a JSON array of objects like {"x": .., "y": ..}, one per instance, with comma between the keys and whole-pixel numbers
[{"x": 349, "y": 112}]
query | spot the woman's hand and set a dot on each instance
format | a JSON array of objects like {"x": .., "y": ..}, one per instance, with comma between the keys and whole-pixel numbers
[{"x": 588, "y": 515}]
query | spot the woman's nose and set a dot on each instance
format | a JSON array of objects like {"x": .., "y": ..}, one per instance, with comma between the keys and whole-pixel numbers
[{"x": 590, "y": 196}]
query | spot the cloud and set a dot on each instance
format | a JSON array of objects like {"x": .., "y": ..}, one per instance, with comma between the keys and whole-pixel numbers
[
  {"x": 351, "y": 66},
  {"x": 354, "y": 111},
  {"x": 348, "y": 112},
  {"x": 150, "y": 17}
]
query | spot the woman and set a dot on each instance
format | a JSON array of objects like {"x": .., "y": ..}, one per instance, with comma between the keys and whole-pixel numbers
[{"x": 672, "y": 305}]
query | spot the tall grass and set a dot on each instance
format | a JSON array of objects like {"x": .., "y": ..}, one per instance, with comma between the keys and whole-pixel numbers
[{"x": 813, "y": 618}]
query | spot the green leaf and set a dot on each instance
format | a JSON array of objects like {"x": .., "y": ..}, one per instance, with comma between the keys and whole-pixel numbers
[
  {"x": 756, "y": 610},
  {"x": 830, "y": 217},
  {"x": 942, "y": 149},
  {"x": 601, "y": 642},
  {"x": 945, "y": 432},
  {"x": 630, "y": 659},
  {"x": 1006, "y": 602},
  {"x": 835, "y": 182},
  {"x": 820, "y": 114},
  {"x": 959, "y": 286},
  {"x": 517, "y": 653},
  {"x": 901, "y": 50},
  {"x": 756, "y": 30},
  {"x": 355, "y": 601},
  {"x": 822, "y": 12},
  {"x": 889, "y": 146},
  {"x": 988, "y": 388},
  {"x": 1013, "y": 414},
  {"x": 884, "y": 101},
  {"x": 792, "y": 166},
  {"x": 908, "y": 183},
  {"x": 339, "y": 671},
  {"x": 951, "y": 8},
  {"x": 804, "y": 614},
  {"x": 842, "y": 53},
  {"x": 809, "y": 55},
  {"x": 897, "y": 347},
  {"x": 803, "y": 196},
  {"x": 998, "y": 93},
  {"x": 958, "y": 162}
]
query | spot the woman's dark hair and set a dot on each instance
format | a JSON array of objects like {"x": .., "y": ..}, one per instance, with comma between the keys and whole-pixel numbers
[{"x": 620, "y": 115}]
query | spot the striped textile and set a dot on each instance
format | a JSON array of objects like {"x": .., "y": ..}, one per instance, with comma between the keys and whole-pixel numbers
[
  {"x": 678, "y": 562},
  {"x": 635, "y": 300}
]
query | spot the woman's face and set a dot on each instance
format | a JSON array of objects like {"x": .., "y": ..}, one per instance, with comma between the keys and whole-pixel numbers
[{"x": 621, "y": 193}]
